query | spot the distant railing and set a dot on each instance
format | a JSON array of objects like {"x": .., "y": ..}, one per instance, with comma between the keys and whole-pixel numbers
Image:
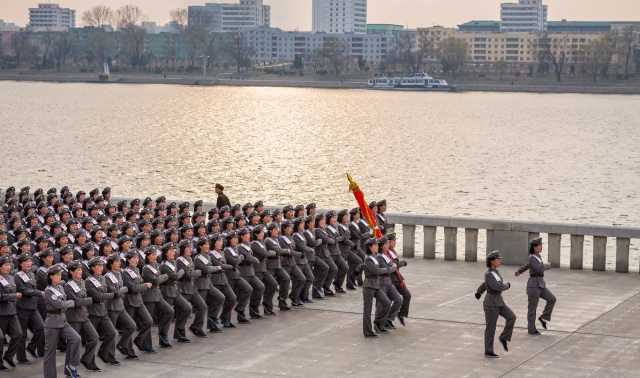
[{"x": 512, "y": 237}]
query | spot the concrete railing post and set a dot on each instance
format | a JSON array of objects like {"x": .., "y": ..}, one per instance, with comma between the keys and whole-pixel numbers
[
  {"x": 533, "y": 235},
  {"x": 471, "y": 244},
  {"x": 450, "y": 243},
  {"x": 408, "y": 240},
  {"x": 429, "y": 242},
  {"x": 489, "y": 241},
  {"x": 577, "y": 248},
  {"x": 554, "y": 246},
  {"x": 622, "y": 255},
  {"x": 599, "y": 253}
]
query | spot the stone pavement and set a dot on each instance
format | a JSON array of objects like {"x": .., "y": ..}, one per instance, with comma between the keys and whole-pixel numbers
[{"x": 595, "y": 332}]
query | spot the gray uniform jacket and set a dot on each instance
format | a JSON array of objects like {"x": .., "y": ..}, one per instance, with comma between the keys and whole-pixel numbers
[
  {"x": 97, "y": 290},
  {"x": 217, "y": 259},
  {"x": 261, "y": 253},
  {"x": 76, "y": 292},
  {"x": 246, "y": 266},
  {"x": 115, "y": 286},
  {"x": 275, "y": 262},
  {"x": 383, "y": 225},
  {"x": 55, "y": 300},
  {"x": 187, "y": 283},
  {"x": 536, "y": 271},
  {"x": 382, "y": 260},
  {"x": 7, "y": 295},
  {"x": 494, "y": 285},
  {"x": 151, "y": 273},
  {"x": 133, "y": 281},
  {"x": 203, "y": 264},
  {"x": 332, "y": 232},
  {"x": 346, "y": 245},
  {"x": 290, "y": 259},
  {"x": 399, "y": 263},
  {"x": 306, "y": 243},
  {"x": 323, "y": 250},
  {"x": 234, "y": 259},
  {"x": 364, "y": 231},
  {"x": 169, "y": 288},
  {"x": 26, "y": 284},
  {"x": 373, "y": 270}
]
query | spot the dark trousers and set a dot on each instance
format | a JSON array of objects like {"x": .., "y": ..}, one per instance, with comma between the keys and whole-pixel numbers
[
  {"x": 230, "y": 300},
  {"x": 396, "y": 300},
  {"x": 103, "y": 325},
  {"x": 164, "y": 314},
  {"x": 284, "y": 282},
  {"x": 10, "y": 325},
  {"x": 534, "y": 294},
  {"x": 243, "y": 292},
  {"x": 51, "y": 338},
  {"x": 88, "y": 333},
  {"x": 30, "y": 319},
  {"x": 182, "y": 310},
  {"x": 343, "y": 269},
  {"x": 270, "y": 287},
  {"x": 333, "y": 271},
  {"x": 258, "y": 290},
  {"x": 353, "y": 260},
  {"x": 214, "y": 300},
  {"x": 297, "y": 280},
  {"x": 491, "y": 319},
  {"x": 309, "y": 278},
  {"x": 200, "y": 307},
  {"x": 143, "y": 319},
  {"x": 320, "y": 273},
  {"x": 406, "y": 299},
  {"x": 368, "y": 294},
  {"x": 122, "y": 320}
]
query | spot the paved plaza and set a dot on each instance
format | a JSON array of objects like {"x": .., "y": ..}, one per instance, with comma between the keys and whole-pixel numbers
[{"x": 594, "y": 332}]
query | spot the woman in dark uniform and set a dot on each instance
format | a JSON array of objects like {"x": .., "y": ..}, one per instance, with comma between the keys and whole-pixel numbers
[
  {"x": 212, "y": 296},
  {"x": 116, "y": 310},
  {"x": 237, "y": 283},
  {"x": 133, "y": 301},
  {"x": 189, "y": 291},
  {"x": 96, "y": 286},
  {"x": 371, "y": 289},
  {"x": 153, "y": 299},
  {"x": 27, "y": 309},
  {"x": 494, "y": 305},
  {"x": 9, "y": 324},
  {"x": 171, "y": 292},
  {"x": 220, "y": 282}
]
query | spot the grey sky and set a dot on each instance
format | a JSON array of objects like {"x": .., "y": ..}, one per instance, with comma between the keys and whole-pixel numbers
[{"x": 291, "y": 14}]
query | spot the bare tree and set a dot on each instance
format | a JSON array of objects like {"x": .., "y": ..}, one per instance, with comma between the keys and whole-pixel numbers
[
  {"x": 98, "y": 16},
  {"x": 62, "y": 45},
  {"x": 101, "y": 44},
  {"x": 179, "y": 18},
  {"x": 455, "y": 53},
  {"x": 500, "y": 66},
  {"x": 626, "y": 46},
  {"x": 47, "y": 41},
  {"x": 335, "y": 52},
  {"x": 20, "y": 43},
  {"x": 239, "y": 50},
  {"x": 128, "y": 16},
  {"x": 596, "y": 57},
  {"x": 553, "y": 52},
  {"x": 133, "y": 35}
]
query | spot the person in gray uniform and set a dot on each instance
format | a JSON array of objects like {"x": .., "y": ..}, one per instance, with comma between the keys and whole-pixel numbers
[
  {"x": 96, "y": 286},
  {"x": 189, "y": 291},
  {"x": 371, "y": 289},
  {"x": 56, "y": 327},
  {"x": 406, "y": 295},
  {"x": 248, "y": 273},
  {"x": 335, "y": 252},
  {"x": 239, "y": 286},
  {"x": 9, "y": 323},
  {"x": 116, "y": 310},
  {"x": 319, "y": 268},
  {"x": 153, "y": 299},
  {"x": 212, "y": 296},
  {"x": 381, "y": 218},
  {"x": 289, "y": 261},
  {"x": 322, "y": 253},
  {"x": 171, "y": 293},
  {"x": 274, "y": 265},
  {"x": 386, "y": 285},
  {"x": 304, "y": 259},
  {"x": 78, "y": 316},
  {"x": 270, "y": 284},
  {"x": 220, "y": 281},
  {"x": 133, "y": 300},
  {"x": 349, "y": 249},
  {"x": 45, "y": 262},
  {"x": 537, "y": 288},
  {"x": 494, "y": 305},
  {"x": 27, "y": 309}
]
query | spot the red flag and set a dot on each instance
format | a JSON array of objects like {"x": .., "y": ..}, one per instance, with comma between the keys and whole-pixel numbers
[{"x": 368, "y": 216}]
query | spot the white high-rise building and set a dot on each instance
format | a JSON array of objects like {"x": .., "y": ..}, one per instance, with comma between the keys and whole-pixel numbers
[
  {"x": 230, "y": 17},
  {"x": 524, "y": 17},
  {"x": 52, "y": 16},
  {"x": 339, "y": 16}
]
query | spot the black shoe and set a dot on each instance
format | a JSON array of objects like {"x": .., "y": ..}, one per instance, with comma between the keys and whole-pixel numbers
[
  {"x": 535, "y": 333},
  {"x": 491, "y": 355},
  {"x": 24, "y": 362},
  {"x": 390, "y": 324},
  {"x": 9, "y": 362},
  {"x": 254, "y": 313},
  {"x": 90, "y": 367},
  {"x": 226, "y": 323},
  {"x": 308, "y": 301},
  {"x": 268, "y": 311},
  {"x": 132, "y": 357},
  {"x": 150, "y": 350},
  {"x": 3, "y": 368},
  {"x": 32, "y": 352},
  {"x": 69, "y": 372},
  {"x": 379, "y": 328},
  {"x": 282, "y": 305},
  {"x": 243, "y": 320},
  {"x": 112, "y": 363},
  {"x": 182, "y": 339},
  {"x": 214, "y": 328},
  {"x": 164, "y": 341},
  {"x": 329, "y": 292},
  {"x": 351, "y": 283},
  {"x": 318, "y": 297},
  {"x": 62, "y": 349},
  {"x": 214, "y": 320},
  {"x": 294, "y": 302},
  {"x": 371, "y": 336},
  {"x": 543, "y": 322},
  {"x": 401, "y": 320},
  {"x": 351, "y": 287},
  {"x": 504, "y": 345},
  {"x": 198, "y": 332},
  {"x": 122, "y": 350},
  {"x": 339, "y": 289}
]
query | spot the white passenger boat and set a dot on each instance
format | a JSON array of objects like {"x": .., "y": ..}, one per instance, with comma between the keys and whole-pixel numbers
[{"x": 417, "y": 81}]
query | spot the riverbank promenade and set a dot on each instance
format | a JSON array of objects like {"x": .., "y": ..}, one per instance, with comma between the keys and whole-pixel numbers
[{"x": 594, "y": 333}]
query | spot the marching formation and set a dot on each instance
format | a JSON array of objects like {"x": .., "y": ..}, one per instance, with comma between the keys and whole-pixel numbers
[{"x": 77, "y": 269}]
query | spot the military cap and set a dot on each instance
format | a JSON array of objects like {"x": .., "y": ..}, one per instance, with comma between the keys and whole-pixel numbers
[
  {"x": 319, "y": 217},
  {"x": 23, "y": 257},
  {"x": 258, "y": 229},
  {"x": 5, "y": 260},
  {"x": 146, "y": 201},
  {"x": 41, "y": 204},
  {"x": 493, "y": 255},
  {"x": 272, "y": 225},
  {"x": 165, "y": 248},
  {"x": 286, "y": 223},
  {"x": 52, "y": 191},
  {"x": 197, "y": 203},
  {"x": 171, "y": 230},
  {"x": 186, "y": 227},
  {"x": 135, "y": 201},
  {"x": 253, "y": 214},
  {"x": 382, "y": 203},
  {"x": 38, "y": 192},
  {"x": 287, "y": 208},
  {"x": 144, "y": 222},
  {"x": 225, "y": 208},
  {"x": 536, "y": 242},
  {"x": 199, "y": 214},
  {"x": 258, "y": 204},
  {"x": 87, "y": 200},
  {"x": 126, "y": 225},
  {"x": 246, "y": 206},
  {"x": 142, "y": 236},
  {"x": 122, "y": 203},
  {"x": 79, "y": 233},
  {"x": 215, "y": 210},
  {"x": 12, "y": 209},
  {"x": 219, "y": 186},
  {"x": 23, "y": 241},
  {"x": 371, "y": 241},
  {"x": 276, "y": 212},
  {"x": 243, "y": 231},
  {"x": 372, "y": 204},
  {"x": 184, "y": 205},
  {"x": 186, "y": 214},
  {"x": 30, "y": 217},
  {"x": 19, "y": 230},
  {"x": 308, "y": 219},
  {"x": 75, "y": 264},
  {"x": 161, "y": 199},
  {"x": 3, "y": 243},
  {"x": 331, "y": 214},
  {"x": 231, "y": 235},
  {"x": 297, "y": 221},
  {"x": 87, "y": 247},
  {"x": 65, "y": 211},
  {"x": 96, "y": 261},
  {"x": 238, "y": 218},
  {"x": 153, "y": 249},
  {"x": 99, "y": 199},
  {"x": 30, "y": 205},
  {"x": 172, "y": 205},
  {"x": 66, "y": 249},
  {"x": 391, "y": 236},
  {"x": 61, "y": 235},
  {"x": 198, "y": 225},
  {"x": 117, "y": 214},
  {"x": 94, "y": 191},
  {"x": 111, "y": 258},
  {"x": 184, "y": 243},
  {"x": 155, "y": 233},
  {"x": 66, "y": 194},
  {"x": 102, "y": 217},
  {"x": 342, "y": 213},
  {"x": 41, "y": 238},
  {"x": 299, "y": 207},
  {"x": 11, "y": 189},
  {"x": 124, "y": 239},
  {"x": 92, "y": 207},
  {"x": 265, "y": 214},
  {"x": 106, "y": 190},
  {"x": 80, "y": 193},
  {"x": 46, "y": 252},
  {"x": 55, "y": 224},
  {"x": 205, "y": 240},
  {"x": 54, "y": 269},
  {"x": 86, "y": 220},
  {"x": 144, "y": 211},
  {"x": 383, "y": 240},
  {"x": 131, "y": 254},
  {"x": 73, "y": 221},
  {"x": 9, "y": 194},
  {"x": 14, "y": 218},
  {"x": 104, "y": 242},
  {"x": 157, "y": 220},
  {"x": 35, "y": 228},
  {"x": 311, "y": 206}
]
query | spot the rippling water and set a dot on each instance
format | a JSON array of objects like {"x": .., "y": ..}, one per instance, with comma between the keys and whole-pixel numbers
[{"x": 545, "y": 157}]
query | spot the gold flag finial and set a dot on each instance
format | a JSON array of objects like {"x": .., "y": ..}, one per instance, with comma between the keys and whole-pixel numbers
[{"x": 353, "y": 186}]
